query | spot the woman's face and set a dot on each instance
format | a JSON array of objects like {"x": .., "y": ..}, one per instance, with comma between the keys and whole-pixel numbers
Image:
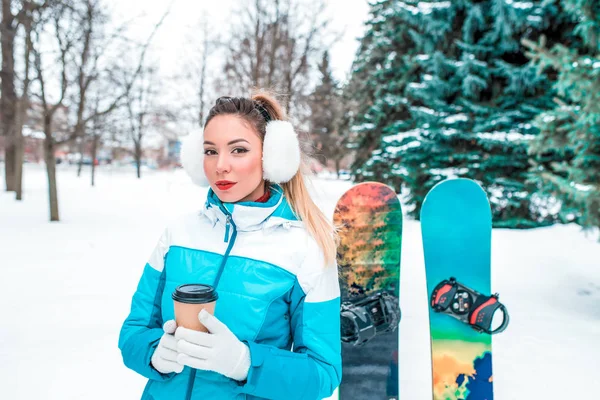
[{"x": 233, "y": 159}]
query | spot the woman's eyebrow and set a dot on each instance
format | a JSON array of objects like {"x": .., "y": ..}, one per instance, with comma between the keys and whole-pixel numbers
[{"x": 230, "y": 143}]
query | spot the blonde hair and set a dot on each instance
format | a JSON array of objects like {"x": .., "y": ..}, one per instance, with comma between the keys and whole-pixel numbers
[{"x": 296, "y": 191}]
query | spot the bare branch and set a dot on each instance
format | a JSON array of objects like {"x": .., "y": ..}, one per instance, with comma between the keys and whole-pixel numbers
[
  {"x": 131, "y": 81},
  {"x": 31, "y": 7}
]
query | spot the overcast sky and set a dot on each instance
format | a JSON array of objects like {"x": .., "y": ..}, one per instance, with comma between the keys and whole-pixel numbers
[{"x": 170, "y": 43}]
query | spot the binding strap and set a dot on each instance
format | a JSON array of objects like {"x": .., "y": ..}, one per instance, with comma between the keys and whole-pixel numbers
[{"x": 468, "y": 306}]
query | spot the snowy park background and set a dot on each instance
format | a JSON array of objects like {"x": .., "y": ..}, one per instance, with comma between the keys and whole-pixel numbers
[
  {"x": 394, "y": 91},
  {"x": 66, "y": 289}
]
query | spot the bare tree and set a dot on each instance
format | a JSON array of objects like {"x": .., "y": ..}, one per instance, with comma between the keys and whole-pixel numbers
[
  {"x": 141, "y": 109},
  {"x": 193, "y": 78},
  {"x": 277, "y": 45},
  {"x": 68, "y": 63},
  {"x": 8, "y": 100},
  {"x": 12, "y": 106},
  {"x": 93, "y": 67},
  {"x": 202, "y": 78},
  {"x": 86, "y": 69},
  {"x": 62, "y": 26},
  {"x": 98, "y": 126},
  {"x": 23, "y": 101}
]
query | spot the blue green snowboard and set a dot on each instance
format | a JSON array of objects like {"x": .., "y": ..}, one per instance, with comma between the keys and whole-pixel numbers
[{"x": 456, "y": 225}]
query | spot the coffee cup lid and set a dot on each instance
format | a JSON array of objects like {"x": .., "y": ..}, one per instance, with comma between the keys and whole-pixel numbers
[{"x": 195, "y": 293}]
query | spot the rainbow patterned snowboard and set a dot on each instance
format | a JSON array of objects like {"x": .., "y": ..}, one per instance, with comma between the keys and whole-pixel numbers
[
  {"x": 369, "y": 217},
  {"x": 456, "y": 225}
]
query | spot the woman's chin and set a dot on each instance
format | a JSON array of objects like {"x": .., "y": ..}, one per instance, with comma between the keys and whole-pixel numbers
[{"x": 226, "y": 196}]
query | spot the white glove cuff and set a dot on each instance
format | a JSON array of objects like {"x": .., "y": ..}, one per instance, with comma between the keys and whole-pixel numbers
[{"x": 240, "y": 371}]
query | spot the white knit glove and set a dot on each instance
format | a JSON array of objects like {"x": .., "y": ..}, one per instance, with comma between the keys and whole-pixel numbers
[
  {"x": 164, "y": 359},
  {"x": 219, "y": 351}
]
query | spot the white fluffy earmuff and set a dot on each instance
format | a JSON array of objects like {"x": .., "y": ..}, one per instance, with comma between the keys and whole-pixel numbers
[
  {"x": 192, "y": 157},
  {"x": 281, "y": 154}
]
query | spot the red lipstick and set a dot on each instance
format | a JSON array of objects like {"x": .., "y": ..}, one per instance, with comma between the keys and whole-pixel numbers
[{"x": 224, "y": 185}]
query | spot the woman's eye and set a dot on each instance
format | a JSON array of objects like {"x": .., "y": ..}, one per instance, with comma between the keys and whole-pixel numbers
[{"x": 237, "y": 150}]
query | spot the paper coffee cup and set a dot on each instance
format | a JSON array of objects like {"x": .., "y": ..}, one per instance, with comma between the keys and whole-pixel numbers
[{"x": 189, "y": 300}]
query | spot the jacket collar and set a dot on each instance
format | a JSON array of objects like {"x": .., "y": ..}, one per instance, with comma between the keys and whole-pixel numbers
[{"x": 249, "y": 216}]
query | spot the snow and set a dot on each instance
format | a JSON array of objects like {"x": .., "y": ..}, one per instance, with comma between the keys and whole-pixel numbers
[
  {"x": 66, "y": 288},
  {"x": 456, "y": 118},
  {"x": 416, "y": 85},
  {"x": 425, "y": 110},
  {"x": 425, "y": 8},
  {"x": 413, "y": 133},
  {"x": 363, "y": 127},
  {"x": 582, "y": 188},
  {"x": 521, "y": 5},
  {"x": 450, "y": 173},
  {"x": 400, "y": 149},
  {"x": 511, "y": 136},
  {"x": 392, "y": 100},
  {"x": 449, "y": 131},
  {"x": 547, "y": 205},
  {"x": 399, "y": 171}
]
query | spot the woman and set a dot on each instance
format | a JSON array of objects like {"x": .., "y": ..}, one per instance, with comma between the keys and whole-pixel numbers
[{"x": 270, "y": 253}]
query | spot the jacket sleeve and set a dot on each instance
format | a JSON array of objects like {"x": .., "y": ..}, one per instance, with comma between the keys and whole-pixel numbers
[
  {"x": 314, "y": 368},
  {"x": 142, "y": 329}
]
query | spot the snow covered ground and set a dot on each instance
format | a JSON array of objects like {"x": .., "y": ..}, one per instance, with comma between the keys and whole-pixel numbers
[{"x": 66, "y": 287}]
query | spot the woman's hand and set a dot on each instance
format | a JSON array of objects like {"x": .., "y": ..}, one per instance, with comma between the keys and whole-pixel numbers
[
  {"x": 164, "y": 359},
  {"x": 219, "y": 351}
]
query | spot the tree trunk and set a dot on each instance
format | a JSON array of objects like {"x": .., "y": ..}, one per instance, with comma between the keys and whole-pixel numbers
[
  {"x": 19, "y": 142},
  {"x": 19, "y": 156},
  {"x": 51, "y": 169},
  {"x": 94, "y": 149},
  {"x": 22, "y": 107},
  {"x": 337, "y": 167},
  {"x": 138, "y": 159},
  {"x": 8, "y": 100},
  {"x": 80, "y": 147}
]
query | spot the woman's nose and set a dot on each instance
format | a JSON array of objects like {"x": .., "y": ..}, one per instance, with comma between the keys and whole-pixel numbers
[{"x": 223, "y": 164}]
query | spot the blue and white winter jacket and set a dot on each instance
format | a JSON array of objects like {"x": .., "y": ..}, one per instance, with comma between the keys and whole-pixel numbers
[{"x": 275, "y": 294}]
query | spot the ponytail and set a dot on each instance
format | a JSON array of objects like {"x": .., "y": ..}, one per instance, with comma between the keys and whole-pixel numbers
[{"x": 296, "y": 192}]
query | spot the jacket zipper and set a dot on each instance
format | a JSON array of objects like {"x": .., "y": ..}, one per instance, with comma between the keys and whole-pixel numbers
[
  {"x": 188, "y": 395},
  {"x": 229, "y": 247},
  {"x": 229, "y": 224},
  {"x": 227, "y": 229}
]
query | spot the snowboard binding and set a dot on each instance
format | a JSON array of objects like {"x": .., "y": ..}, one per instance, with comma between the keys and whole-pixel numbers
[
  {"x": 368, "y": 317},
  {"x": 467, "y": 305}
]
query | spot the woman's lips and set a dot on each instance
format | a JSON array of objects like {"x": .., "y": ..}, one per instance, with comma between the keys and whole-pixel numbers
[{"x": 225, "y": 186}]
